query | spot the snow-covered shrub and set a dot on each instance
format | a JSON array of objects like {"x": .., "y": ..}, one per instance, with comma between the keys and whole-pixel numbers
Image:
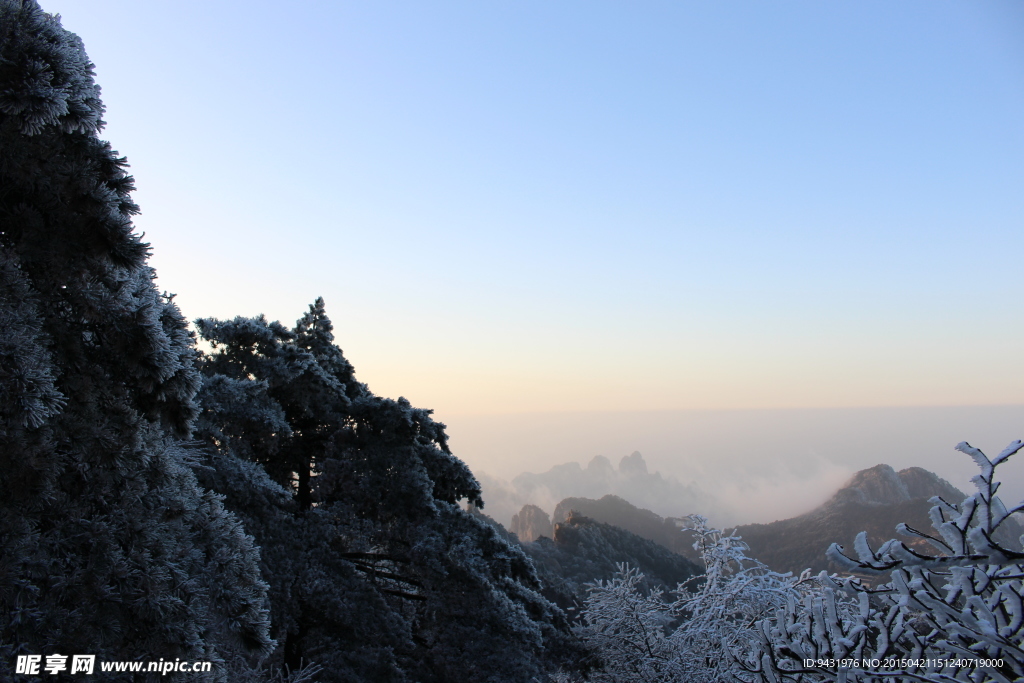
[
  {"x": 651, "y": 638},
  {"x": 956, "y": 615}
]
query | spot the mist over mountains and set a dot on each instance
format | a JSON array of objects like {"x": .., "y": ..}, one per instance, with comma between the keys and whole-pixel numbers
[
  {"x": 756, "y": 465},
  {"x": 631, "y": 481},
  {"x": 874, "y": 500}
]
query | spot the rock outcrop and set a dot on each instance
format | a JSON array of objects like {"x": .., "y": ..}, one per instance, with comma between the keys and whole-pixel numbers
[{"x": 531, "y": 523}]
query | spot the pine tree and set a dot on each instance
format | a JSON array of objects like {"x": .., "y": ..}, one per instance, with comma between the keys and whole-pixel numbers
[
  {"x": 109, "y": 546},
  {"x": 375, "y": 571}
]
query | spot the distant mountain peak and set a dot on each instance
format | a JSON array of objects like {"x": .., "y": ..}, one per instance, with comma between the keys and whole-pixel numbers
[
  {"x": 883, "y": 485},
  {"x": 621, "y": 513},
  {"x": 921, "y": 483},
  {"x": 875, "y": 500},
  {"x": 531, "y": 523},
  {"x": 633, "y": 464},
  {"x": 631, "y": 480},
  {"x": 878, "y": 485}
]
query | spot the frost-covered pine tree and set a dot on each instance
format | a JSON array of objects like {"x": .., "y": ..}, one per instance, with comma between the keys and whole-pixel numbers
[
  {"x": 109, "y": 547},
  {"x": 376, "y": 573},
  {"x": 953, "y": 614}
]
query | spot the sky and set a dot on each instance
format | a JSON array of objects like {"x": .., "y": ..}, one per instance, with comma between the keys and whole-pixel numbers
[{"x": 626, "y": 211}]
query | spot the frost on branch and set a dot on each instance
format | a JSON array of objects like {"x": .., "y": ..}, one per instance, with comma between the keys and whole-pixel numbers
[
  {"x": 955, "y": 615},
  {"x": 690, "y": 637}
]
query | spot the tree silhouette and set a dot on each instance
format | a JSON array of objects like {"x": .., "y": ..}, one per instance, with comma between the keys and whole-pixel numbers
[{"x": 109, "y": 546}]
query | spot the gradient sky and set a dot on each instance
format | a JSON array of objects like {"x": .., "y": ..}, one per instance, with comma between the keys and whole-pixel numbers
[{"x": 592, "y": 206}]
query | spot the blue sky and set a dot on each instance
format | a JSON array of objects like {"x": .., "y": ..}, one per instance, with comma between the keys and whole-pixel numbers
[{"x": 582, "y": 206}]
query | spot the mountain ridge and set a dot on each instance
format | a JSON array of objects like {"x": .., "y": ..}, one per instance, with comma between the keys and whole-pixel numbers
[{"x": 874, "y": 500}]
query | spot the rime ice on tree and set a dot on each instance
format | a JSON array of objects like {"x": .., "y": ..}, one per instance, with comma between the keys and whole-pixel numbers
[
  {"x": 109, "y": 546},
  {"x": 954, "y": 615},
  {"x": 375, "y": 571}
]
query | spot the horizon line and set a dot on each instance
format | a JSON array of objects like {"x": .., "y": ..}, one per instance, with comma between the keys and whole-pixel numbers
[{"x": 730, "y": 410}]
